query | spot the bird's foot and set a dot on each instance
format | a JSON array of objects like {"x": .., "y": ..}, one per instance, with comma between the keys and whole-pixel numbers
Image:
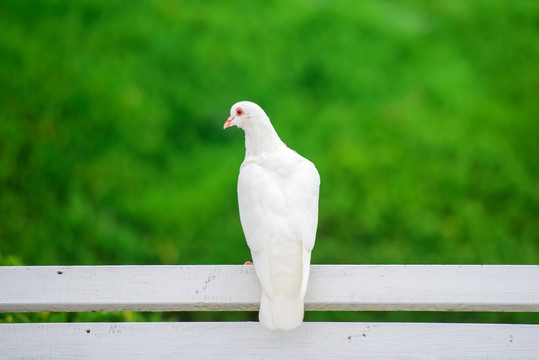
[{"x": 248, "y": 263}]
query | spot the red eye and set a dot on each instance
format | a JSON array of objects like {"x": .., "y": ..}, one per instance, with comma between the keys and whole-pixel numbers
[{"x": 239, "y": 112}]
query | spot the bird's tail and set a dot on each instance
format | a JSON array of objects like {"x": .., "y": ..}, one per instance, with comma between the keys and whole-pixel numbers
[{"x": 282, "y": 313}]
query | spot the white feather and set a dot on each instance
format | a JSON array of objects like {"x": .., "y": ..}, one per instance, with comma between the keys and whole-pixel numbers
[{"x": 278, "y": 202}]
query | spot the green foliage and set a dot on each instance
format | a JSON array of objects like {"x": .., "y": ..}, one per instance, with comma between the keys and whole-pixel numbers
[{"x": 421, "y": 118}]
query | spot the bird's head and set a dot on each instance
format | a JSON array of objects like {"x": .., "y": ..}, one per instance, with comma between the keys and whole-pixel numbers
[{"x": 244, "y": 114}]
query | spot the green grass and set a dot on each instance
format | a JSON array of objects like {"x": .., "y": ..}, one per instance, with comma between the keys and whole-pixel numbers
[{"x": 422, "y": 119}]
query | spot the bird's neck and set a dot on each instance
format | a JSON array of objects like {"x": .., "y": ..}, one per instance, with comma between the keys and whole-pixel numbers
[{"x": 261, "y": 138}]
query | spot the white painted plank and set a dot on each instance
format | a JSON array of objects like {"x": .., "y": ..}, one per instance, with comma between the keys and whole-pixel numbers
[
  {"x": 235, "y": 287},
  {"x": 250, "y": 340}
]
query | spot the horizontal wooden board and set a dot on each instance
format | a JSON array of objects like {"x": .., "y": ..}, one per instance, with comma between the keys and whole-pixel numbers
[
  {"x": 235, "y": 287},
  {"x": 252, "y": 341}
]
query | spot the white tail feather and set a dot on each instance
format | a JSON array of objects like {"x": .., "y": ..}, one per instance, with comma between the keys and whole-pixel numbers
[{"x": 282, "y": 313}]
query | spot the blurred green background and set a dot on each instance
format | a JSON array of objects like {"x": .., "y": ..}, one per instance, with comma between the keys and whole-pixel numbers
[{"x": 422, "y": 118}]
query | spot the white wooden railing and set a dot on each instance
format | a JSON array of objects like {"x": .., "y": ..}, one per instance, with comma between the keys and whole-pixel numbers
[{"x": 235, "y": 288}]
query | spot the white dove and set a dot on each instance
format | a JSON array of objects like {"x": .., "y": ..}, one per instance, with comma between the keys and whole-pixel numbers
[{"x": 278, "y": 202}]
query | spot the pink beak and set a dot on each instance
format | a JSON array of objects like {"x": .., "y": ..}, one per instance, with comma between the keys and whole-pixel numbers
[{"x": 228, "y": 122}]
